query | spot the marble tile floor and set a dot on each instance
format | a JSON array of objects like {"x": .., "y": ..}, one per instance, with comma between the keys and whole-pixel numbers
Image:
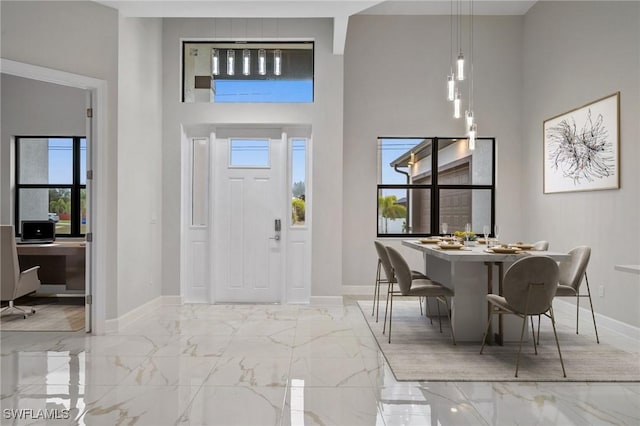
[{"x": 268, "y": 365}]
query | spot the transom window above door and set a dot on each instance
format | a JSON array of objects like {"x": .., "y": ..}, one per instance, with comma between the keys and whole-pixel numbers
[
  {"x": 252, "y": 153},
  {"x": 247, "y": 72}
]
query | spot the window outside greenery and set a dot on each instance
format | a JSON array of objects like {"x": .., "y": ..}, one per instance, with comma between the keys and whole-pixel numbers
[
  {"x": 51, "y": 182},
  {"x": 415, "y": 200}
]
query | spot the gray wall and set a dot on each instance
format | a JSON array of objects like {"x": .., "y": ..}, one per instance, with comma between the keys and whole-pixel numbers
[
  {"x": 139, "y": 162},
  {"x": 395, "y": 85},
  {"x": 575, "y": 53},
  {"x": 81, "y": 38},
  {"x": 324, "y": 116},
  {"x": 33, "y": 108}
]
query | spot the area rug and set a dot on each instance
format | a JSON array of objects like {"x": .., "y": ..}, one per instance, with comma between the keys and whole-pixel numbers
[
  {"x": 419, "y": 352},
  {"x": 51, "y": 315}
]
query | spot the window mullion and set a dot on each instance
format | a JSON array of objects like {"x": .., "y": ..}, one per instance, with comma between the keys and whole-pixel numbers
[{"x": 75, "y": 192}]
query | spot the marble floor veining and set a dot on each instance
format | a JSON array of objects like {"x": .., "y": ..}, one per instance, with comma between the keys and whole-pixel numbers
[{"x": 267, "y": 365}]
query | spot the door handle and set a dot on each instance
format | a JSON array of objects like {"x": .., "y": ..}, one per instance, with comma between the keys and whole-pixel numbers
[{"x": 277, "y": 227}]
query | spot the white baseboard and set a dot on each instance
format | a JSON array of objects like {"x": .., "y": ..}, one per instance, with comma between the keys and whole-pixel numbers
[
  {"x": 326, "y": 301},
  {"x": 114, "y": 325},
  {"x": 626, "y": 330},
  {"x": 171, "y": 300},
  {"x": 358, "y": 290}
]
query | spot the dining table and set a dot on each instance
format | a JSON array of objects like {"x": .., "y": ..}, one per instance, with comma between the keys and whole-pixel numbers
[{"x": 470, "y": 271}]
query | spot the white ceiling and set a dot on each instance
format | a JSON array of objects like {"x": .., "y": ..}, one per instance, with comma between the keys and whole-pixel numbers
[
  {"x": 338, "y": 10},
  {"x": 308, "y": 8}
]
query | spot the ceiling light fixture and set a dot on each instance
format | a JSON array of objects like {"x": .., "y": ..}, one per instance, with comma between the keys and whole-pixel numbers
[
  {"x": 451, "y": 79},
  {"x": 215, "y": 61},
  {"x": 246, "y": 62},
  {"x": 262, "y": 62},
  {"x": 231, "y": 62},
  {"x": 460, "y": 61},
  {"x": 456, "y": 105},
  {"x": 472, "y": 127},
  {"x": 277, "y": 62}
]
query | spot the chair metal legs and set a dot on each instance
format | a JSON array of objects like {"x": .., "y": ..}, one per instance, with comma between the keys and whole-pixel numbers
[
  {"x": 524, "y": 322},
  {"x": 553, "y": 324},
  {"x": 11, "y": 307},
  {"x": 593, "y": 315},
  {"x": 442, "y": 299},
  {"x": 376, "y": 292}
]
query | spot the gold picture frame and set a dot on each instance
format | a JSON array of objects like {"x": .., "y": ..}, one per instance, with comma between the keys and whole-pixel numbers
[{"x": 581, "y": 148}]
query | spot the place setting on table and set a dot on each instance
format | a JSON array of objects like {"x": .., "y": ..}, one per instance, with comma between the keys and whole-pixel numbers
[{"x": 467, "y": 239}]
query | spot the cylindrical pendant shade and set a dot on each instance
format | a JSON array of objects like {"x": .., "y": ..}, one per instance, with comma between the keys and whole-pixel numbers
[
  {"x": 262, "y": 62},
  {"x": 473, "y": 131},
  {"x": 215, "y": 61},
  {"x": 451, "y": 87},
  {"x": 246, "y": 62},
  {"x": 231, "y": 62},
  {"x": 277, "y": 62},
  {"x": 456, "y": 106},
  {"x": 460, "y": 63}
]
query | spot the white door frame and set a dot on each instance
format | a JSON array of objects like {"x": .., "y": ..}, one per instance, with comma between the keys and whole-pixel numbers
[
  {"x": 299, "y": 292},
  {"x": 95, "y": 251}
]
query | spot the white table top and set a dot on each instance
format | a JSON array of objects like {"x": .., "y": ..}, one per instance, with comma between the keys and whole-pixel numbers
[
  {"x": 633, "y": 269},
  {"x": 478, "y": 253}
]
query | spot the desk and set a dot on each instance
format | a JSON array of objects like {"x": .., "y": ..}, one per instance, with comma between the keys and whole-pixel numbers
[
  {"x": 61, "y": 262},
  {"x": 465, "y": 272}
]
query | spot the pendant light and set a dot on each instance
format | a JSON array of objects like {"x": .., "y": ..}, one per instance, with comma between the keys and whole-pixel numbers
[
  {"x": 231, "y": 61},
  {"x": 451, "y": 87},
  {"x": 277, "y": 62},
  {"x": 469, "y": 115},
  {"x": 215, "y": 55},
  {"x": 460, "y": 63},
  {"x": 262, "y": 62},
  {"x": 473, "y": 131},
  {"x": 456, "y": 105},
  {"x": 472, "y": 127},
  {"x": 215, "y": 61},
  {"x": 460, "y": 60},
  {"x": 246, "y": 62},
  {"x": 451, "y": 79}
]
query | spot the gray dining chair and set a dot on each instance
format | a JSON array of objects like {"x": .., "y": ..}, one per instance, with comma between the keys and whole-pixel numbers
[
  {"x": 415, "y": 287},
  {"x": 529, "y": 286},
  {"x": 541, "y": 245},
  {"x": 384, "y": 265},
  {"x": 571, "y": 273}
]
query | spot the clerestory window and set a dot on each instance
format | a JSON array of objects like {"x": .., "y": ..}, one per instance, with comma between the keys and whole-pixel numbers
[{"x": 247, "y": 72}]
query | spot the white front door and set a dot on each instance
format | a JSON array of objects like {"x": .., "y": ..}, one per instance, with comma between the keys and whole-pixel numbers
[{"x": 248, "y": 200}]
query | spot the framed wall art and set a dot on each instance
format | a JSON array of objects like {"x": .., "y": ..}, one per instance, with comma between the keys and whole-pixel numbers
[{"x": 581, "y": 148}]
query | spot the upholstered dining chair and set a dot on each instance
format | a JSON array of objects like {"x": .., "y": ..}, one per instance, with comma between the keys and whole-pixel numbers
[
  {"x": 529, "y": 286},
  {"x": 541, "y": 245},
  {"x": 415, "y": 287},
  {"x": 13, "y": 282},
  {"x": 384, "y": 265},
  {"x": 571, "y": 273}
]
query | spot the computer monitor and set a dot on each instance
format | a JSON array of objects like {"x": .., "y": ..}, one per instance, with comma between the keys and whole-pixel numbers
[{"x": 38, "y": 231}]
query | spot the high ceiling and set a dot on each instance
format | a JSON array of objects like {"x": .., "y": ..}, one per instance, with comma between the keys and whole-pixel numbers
[{"x": 338, "y": 10}]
